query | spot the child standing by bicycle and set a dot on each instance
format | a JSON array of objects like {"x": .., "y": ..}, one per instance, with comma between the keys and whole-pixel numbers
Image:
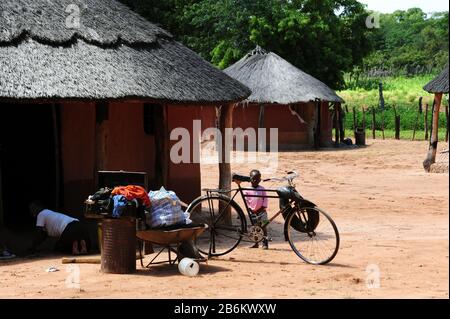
[{"x": 258, "y": 205}]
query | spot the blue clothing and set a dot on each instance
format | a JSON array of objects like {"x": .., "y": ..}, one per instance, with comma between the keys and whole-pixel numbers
[{"x": 120, "y": 203}]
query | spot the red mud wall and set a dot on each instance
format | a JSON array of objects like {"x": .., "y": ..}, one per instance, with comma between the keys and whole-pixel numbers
[
  {"x": 78, "y": 154},
  {"x": 185, "y": 178},
  {"x": 326, "y": 125}
]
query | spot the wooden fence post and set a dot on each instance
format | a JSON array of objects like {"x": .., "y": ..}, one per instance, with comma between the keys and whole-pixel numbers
[
  {"x": 426, "y": 122},
  {"x": 417, "y": 118},
  {"x": 354, "y": 122},
  {"x": 373, "y": 122},
  {"x": 397, "y": 124},
  {"x": 446, "y": 123}
]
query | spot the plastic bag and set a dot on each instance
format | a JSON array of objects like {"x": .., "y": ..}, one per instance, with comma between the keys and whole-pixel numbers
[{"x": 165, "y": 210}]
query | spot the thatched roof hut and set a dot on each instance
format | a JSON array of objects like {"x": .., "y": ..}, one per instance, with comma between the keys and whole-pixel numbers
[
  {"x": 99, "y": 49},
  {"x": 438, "y": 84},
  {"x": 89, "y": 85},
  {"x": 284, "y": 97},
  {"x": 274, "y": 80}
]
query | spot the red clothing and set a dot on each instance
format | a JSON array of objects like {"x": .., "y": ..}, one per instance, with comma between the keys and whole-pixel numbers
[{"x": 133, "y": 192}]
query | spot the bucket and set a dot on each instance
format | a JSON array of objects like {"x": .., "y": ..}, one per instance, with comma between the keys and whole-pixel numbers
[
  {"x": 188, "y": 267},
  {"x": 118, "y": 246}
]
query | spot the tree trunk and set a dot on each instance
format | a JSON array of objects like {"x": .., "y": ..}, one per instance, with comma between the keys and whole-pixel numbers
[
  {"x": 162, "y": 160},
  {"x": 225, "y": 121},
  {"x": 431, "y": 157}
]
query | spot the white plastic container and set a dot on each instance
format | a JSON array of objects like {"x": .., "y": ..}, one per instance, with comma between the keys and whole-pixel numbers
[{"x": 188, "y": 267}]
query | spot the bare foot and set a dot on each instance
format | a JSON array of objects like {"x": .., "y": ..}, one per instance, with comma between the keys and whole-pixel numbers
[
  {"x": 83, "y": 245},
  {"x": 75, "y": 250}
]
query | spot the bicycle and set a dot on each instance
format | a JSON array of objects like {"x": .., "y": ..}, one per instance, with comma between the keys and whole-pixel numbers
[{"x": 310, "y": 231}]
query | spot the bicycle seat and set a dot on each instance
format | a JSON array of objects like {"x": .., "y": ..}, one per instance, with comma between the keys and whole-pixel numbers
[{"x": 240, "y": 178}]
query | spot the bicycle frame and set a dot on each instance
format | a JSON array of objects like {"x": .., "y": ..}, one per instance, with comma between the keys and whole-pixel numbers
[{"x": 240, "y": 190}]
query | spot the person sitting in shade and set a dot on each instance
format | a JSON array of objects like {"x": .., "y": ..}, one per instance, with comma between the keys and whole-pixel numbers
[
  {"x": 258, "y": 205},
  {"x": 73, "y": 236}
]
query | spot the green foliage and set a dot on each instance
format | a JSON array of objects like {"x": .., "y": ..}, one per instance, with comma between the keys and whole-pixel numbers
[
  {"x": 401, "y": 92},
  {"x": 324, "y": 38},
  {"x": 409, "y": 42}
]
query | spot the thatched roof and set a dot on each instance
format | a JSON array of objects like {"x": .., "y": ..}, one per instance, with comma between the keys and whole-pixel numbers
[
  {"x": 439, "y": 84},
  {"x": 274, "y": 80},
  {"x": 113, "y": 53}
]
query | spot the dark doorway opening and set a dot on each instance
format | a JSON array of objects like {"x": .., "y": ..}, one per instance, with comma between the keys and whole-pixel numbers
[{"x": 28, "y": 161}]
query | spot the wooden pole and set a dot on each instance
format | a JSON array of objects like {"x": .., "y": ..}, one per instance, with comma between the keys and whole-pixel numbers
[
  {"x": 432, "y": 124},
  {"x": 336, "y": 125},
  {"x": 397, "y": 124},
  {"x": 354, "y": 122},
  {"x": 431, "y": 156},
  {"x": 225, "y": 121},
  {"x": 373, "y": 123},
  {"x": 341, "y": 123},
  {"x": 446, "y": 123},
  {"x": 162, "y": 160},
  {"x": 426, "y": 122},
  {"x": 417, "y": 118},
  {"x": 318, "y": 127},
  {"x": 382, "y": 104}
]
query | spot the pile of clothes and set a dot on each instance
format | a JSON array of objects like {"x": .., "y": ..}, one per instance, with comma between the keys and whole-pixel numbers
[{"x": 158, "y": 209}]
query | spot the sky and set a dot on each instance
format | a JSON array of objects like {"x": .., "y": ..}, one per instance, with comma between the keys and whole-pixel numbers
[{"x": 389, "y": 6}]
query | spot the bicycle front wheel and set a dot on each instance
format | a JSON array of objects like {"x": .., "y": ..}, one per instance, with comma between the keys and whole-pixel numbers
[
  {"x": 225, "y": 220},
  {"x": 312, "y": 234}
]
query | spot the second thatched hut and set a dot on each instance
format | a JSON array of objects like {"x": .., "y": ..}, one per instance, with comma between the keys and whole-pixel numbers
[{"x": 283, "y": 97}]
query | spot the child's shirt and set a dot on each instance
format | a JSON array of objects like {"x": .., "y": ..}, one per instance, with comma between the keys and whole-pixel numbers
[{"x": 255, "y": 203}]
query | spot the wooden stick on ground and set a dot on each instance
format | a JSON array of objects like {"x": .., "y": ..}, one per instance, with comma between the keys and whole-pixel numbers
[{"x": 81, "y": 260}]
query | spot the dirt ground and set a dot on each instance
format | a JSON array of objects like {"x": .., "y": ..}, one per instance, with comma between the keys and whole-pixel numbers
[{"x": 391, "y": 215}]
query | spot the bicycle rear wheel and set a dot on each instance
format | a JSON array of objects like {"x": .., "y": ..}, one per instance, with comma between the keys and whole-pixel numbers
[
  {"x": 226, "y": 223},
  {"x": 312, "y": 234}
]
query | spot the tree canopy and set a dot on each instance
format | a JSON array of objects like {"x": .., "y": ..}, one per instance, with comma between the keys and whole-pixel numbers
[{"x": 326, "y": 38}]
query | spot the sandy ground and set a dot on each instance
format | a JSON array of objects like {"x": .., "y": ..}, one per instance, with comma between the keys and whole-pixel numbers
[{"x": 391, "y": 216}]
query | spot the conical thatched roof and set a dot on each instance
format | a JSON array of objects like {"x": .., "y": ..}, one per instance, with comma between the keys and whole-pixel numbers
[
  {"x": 439, "y": 84},
  {"x": 274, "y": 80},
  {"x": 112, "y": 53}
]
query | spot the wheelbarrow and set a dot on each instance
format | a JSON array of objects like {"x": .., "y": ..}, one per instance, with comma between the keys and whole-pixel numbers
[{"x": 169, "y": 240}]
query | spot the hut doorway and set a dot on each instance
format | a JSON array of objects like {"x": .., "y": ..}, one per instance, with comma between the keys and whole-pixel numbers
[{"x": 28, "y": 164}]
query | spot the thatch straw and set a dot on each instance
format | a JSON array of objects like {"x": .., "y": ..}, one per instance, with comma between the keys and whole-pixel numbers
[
  {"x": 438, "y": 84},
  {"x": 274, "y": 80},
  {"x": 114, "y": 54}
]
